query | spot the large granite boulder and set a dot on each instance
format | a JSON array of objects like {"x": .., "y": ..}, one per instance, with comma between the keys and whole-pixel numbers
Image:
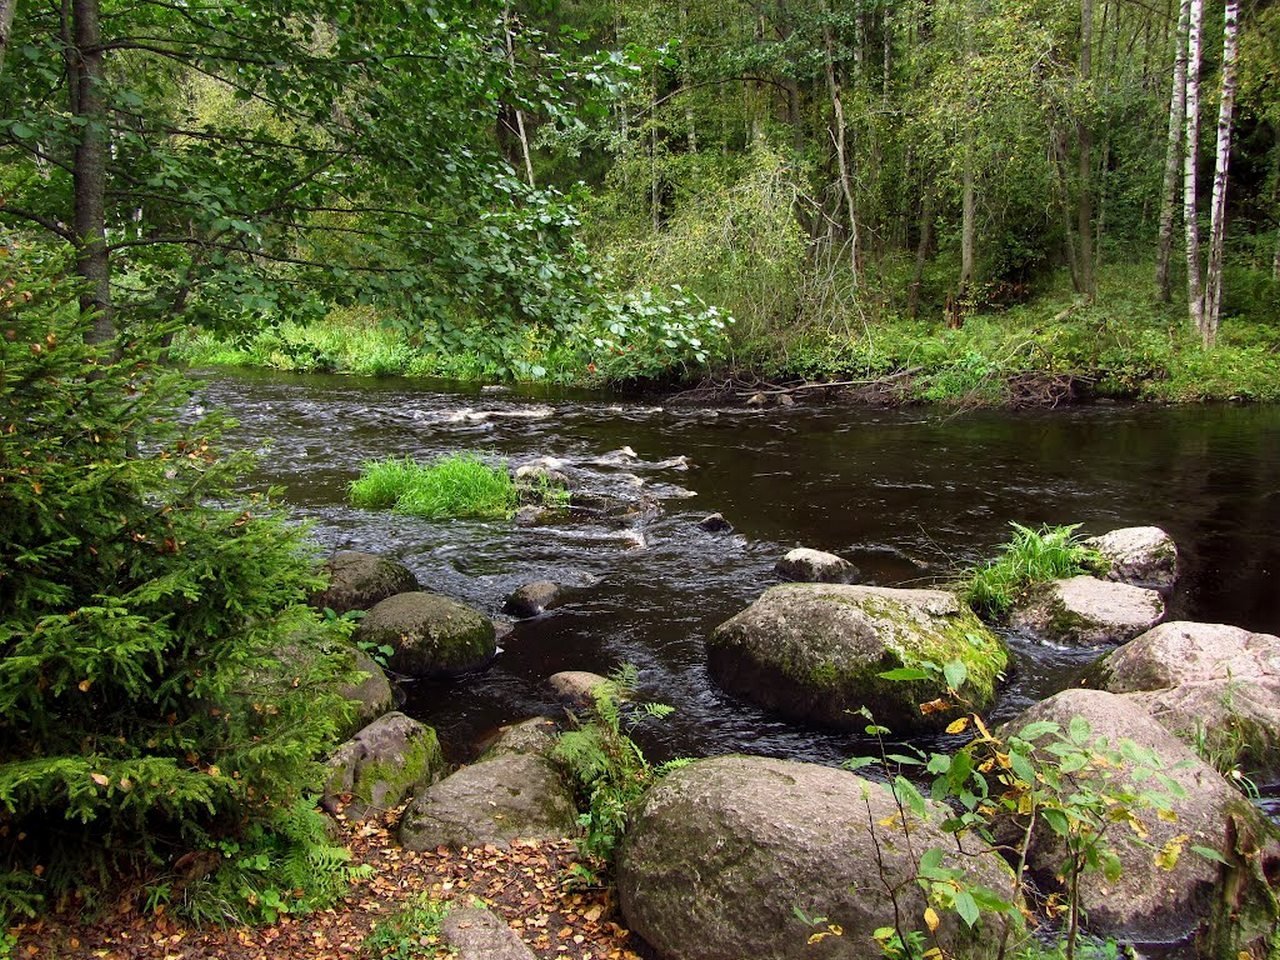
[
  {"x": 380, "y": 766},
  {"x": 358, "y": 580},
  {"x": 1164, "y": 890},
  {"x": 1086, "y": 612},
  {"x": 815, "y": 566},
  {"x": 1209, "y": 685},
  {"x": 1142, "y": 556},
  {"x": 491, "y": 802},
  {"x": 815, "y": 652},
  {"x": 537, "y": 735},
  {"x": 430, "y": 635},
  {"x": 723, "y": 853}
]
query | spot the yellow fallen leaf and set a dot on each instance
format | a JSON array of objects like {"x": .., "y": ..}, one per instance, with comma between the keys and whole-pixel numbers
[
  {"x": 931, "y": 919},
  {"x": 99, "y": 778}
]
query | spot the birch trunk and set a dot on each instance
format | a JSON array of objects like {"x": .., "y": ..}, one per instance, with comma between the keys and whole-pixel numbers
[
  {"x": 1084, "y": 160},
  {"x": 1218, "y": 212},
  {"x": 511, "y": 65},
  {"x": 1173, "y": 153},
  {"x": 1190, "y": 167},
  {"x": 838, "y": 136},
  {"x": 7, "y": 9}
]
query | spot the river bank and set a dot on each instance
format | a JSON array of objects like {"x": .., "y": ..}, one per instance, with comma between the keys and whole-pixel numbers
[{"x": 1049, "y": 351}]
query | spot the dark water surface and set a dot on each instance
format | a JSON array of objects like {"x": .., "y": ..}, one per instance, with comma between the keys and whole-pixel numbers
[{"x": 911, "y": 496}]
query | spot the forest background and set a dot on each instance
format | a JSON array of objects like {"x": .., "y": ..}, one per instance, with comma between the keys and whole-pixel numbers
[{"x": 1004, "y": 199}]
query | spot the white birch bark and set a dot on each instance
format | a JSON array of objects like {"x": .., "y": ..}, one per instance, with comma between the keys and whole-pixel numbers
[
  {"x": 511, "y": 65},
  {"x": 1218, "y": 212},
  {"x": 7, "y": 9},
  {"x": 840, "y": 140},
  {"x": 1173, "y": 153},
  {"x": 1190, "y": 167}
]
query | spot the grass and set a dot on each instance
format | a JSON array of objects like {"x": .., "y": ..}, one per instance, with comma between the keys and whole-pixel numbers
[
  {"x": 1030, "y": 557},
  {"x": 411, "y": 932},
  {"x": 461, "y": 485}
]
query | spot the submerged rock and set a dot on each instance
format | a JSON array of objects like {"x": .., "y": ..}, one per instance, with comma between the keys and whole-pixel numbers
[
  {"x": 814, "y": 652},
  {"x": 380, "y": 766},
  {"x": 1087, "y": 612},
  {"x": 431, "y": 635},
  {"x": 723, "y": 853},
  {"x": 1209, "y": 685},
  {"x": 815, "y": 566},
  {"x": 533, "y": 598},
  {"x": 491, "y": 802},
  {"x": 575, "y": 687},
  {"x": 1171, "y": 897},
  {"x": 358, "y": 580},
  {"x": 715, "y": 523},
  {"x": 1142, "y": 556}
]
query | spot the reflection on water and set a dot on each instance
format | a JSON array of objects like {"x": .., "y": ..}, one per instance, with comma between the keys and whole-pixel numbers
[{"x": 910, "y": 496}]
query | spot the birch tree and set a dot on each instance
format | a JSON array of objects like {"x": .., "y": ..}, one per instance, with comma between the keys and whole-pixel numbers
[
  {"x": 1190, "y": 167},
  {"x": 1173, "y": 153},
  {"x": 1218, "y": 213},
  {"x": 7, "y": 10}
]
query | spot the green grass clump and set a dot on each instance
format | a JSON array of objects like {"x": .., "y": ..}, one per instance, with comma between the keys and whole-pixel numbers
[
  {"x": 1030, "y": 557},
  {"x": 456, "y": 486},
  {"x": 411, "y": 932}
]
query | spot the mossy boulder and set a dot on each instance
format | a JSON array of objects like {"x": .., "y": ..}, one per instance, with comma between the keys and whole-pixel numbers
[
  {"x": 430, "y": 635},
  {"x": 1208, "y": 684},
  {"x": 1086, "y": 612},
  {"x": 1227, "y": 905},
  {"x": 723, "y": 854},
  {"x": 371, "y": 691},
  {"x": 512, "y": 795},
  {"x": 358, "y": 580},
  {"x": 382, "y": 765},
  {"x": 815, "y": 652},
  {"x": 1142, "y": 556}
]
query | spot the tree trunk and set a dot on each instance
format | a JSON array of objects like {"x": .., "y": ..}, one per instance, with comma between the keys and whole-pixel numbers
[
  {"x": 1173, "y": 153},
  {"x": 89, "y": 175},
  {"x": 1218, "y": 212},
  {"x": 968, "y": 199},
  {"x": 922, "y": 253},
  {"x": 1190, "y": 166},
  {"x": 521, "y": 132},
  {"x": 1084, "y": 168},
  {"x": 7, "y": 9},
  {"x": 841, "y": 145}
]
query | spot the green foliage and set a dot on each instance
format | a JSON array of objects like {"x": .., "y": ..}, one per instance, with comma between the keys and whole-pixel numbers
[
  {"x": 287, "y": 864},
  {"x": 609, "y": 768},
  {"x": 413, "y": 931},
  {"x": 1030, "y": 557},
  {"x": 151, "y": 697},
  {"x": 454, "y": 486},
  {"x": 647, "y": 338}
]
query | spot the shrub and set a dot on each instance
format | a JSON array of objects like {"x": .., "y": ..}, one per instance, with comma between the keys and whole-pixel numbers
[
  {"x": 454, "y": 486},
  {"x": 145, "y": 710},
  {"x": 1030, "y": 556}
]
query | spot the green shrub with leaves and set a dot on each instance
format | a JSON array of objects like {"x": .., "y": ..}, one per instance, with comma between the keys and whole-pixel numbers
[
  {"x": 163, "y": 686},
  {"x": 411, "y": 932},
  {"x": 1030, "y": 557}
]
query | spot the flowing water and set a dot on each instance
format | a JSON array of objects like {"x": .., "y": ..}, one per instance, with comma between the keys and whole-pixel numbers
[{"x": 910, "y": 495}]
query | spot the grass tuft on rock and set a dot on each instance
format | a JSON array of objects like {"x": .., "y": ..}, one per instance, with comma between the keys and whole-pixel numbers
[
  {"x": 1030, "y": 557},
  {"x": 461, "y": 485}
]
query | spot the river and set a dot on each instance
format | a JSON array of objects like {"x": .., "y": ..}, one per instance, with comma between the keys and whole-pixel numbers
[{"x": 911, "y": 496}]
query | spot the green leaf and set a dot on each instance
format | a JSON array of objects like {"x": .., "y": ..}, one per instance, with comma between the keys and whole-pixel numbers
[
  {"x": 967, "y": 907},
  {"x": 1078, "y": 730},
  {"x": 955, "y": 673},
  {"x": 1208, "y": 853}
]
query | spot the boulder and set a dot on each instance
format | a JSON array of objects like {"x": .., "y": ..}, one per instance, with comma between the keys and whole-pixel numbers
[
  {"x": 815, "y": 652},
  {"x": 1142, "y": 556},
  {"x": 1149, "y": 901},
  {"x": 815, "y": 566},
  {"x": 536, "y": 735},
  {"x": 1087, "y": 612},
  {"x": 380, "y": 766},
  {"x": 1209, "y": 685},
  {"x": 373, "y": 695},
  {"x": 359, "y": 580},
  {"x": 431, "y": 635},
  {"x": 543, "y": 474},
  {"x": 476, "y": 933},
  {"x": 533, "y": 599},
  {"x": 723, "y": 853},
  {"x": 493, "y": 801},
  {"x": 574, "y": 687},
  {"x": 715, "y": 523}
]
